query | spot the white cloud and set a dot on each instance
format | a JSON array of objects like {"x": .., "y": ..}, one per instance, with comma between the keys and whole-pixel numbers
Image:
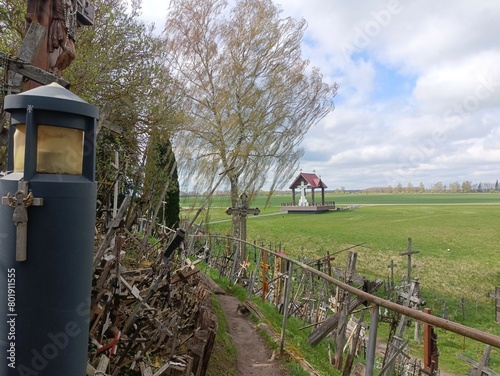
[{"x": 419, "y": 97}]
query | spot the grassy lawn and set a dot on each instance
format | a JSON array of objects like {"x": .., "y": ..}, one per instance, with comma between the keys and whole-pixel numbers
[
  {"x": 360, "y": 199},
  {"x": 458, "y": 238}
]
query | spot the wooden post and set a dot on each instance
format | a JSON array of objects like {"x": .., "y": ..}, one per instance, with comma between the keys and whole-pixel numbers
[
  {"x": 354, "y": 345},
  {"x": 254, "y": 275},
  {"x": 496, "y": 296},
  {"x": 288, "y": 287},
  {"x": 392, "y": 266},
  {"x": 431, "y": 353},
  {"x": 279, "y": 281},
  {"x": 344, "y": 313},
  {"x": 29, "y": 49},
  {"x": 242, "y": 211},
  {"x": 264, "y": 266},
  {"x": 372, "y": 340}
]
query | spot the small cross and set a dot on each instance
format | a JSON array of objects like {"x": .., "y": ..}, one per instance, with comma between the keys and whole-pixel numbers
[
  {"x": 20, "y": 201},
  {"x": 112, "y": 346},
  {"x": 412, "y": 299}
]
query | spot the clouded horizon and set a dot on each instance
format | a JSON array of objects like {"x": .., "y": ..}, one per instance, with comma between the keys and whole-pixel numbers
[{"x": 419, "y": 90}]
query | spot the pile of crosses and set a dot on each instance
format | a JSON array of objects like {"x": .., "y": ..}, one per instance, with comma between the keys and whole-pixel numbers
[{"x": 149, "y": 319}]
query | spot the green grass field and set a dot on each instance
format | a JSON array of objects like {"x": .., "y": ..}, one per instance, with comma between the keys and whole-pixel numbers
[
  {"x": 365, "y": 199},
  {"x": 458, "y": 238}
]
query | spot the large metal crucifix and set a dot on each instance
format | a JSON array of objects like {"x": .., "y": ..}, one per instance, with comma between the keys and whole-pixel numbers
[
  {"x": 242, "y": 211},
  {"x": 20, "y": 201}
]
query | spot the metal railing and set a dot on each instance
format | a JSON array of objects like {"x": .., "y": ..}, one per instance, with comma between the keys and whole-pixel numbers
[{"x": 376, "y": 303}]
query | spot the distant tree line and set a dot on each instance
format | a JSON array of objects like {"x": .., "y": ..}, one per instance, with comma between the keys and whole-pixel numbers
[{"x": 439, "y": 187}]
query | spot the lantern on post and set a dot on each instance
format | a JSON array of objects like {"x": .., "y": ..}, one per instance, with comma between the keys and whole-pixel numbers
[{"x": 47, "y": 218}]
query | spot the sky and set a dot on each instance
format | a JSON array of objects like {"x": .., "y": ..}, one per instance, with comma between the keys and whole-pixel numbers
[{"x": 419, "y": 90}]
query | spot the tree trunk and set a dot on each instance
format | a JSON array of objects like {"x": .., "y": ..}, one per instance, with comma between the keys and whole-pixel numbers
[{"x": 235, "y": 219}]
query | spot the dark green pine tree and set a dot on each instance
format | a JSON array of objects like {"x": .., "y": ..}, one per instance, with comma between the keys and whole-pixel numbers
[{"x": 161, "y": 168}]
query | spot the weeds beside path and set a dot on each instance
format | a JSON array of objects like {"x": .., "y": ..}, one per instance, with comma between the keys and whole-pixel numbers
[{"x": 253, "y": 355}]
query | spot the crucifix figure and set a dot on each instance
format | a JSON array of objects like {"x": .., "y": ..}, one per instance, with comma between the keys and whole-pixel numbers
[
  {"x": 303, "y": 200},
  {"x": 242, "y": 213},
  {"x": 59, "y": 18},
  {"x": 20, "y": 201}
]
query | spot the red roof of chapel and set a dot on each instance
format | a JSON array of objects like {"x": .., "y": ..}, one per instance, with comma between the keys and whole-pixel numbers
[{"x": 311, "y": 180}]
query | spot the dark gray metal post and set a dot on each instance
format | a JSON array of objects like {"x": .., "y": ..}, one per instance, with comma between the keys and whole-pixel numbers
[
  {"x": 45, "y": 298},
  {"x": 372, "y": 340}
]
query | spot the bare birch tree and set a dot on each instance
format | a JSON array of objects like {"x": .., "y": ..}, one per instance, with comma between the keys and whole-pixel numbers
[{"x": 249, "y": 96}]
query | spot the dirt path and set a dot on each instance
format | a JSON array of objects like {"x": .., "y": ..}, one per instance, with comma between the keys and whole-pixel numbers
[{"x": 254, "y": 358}]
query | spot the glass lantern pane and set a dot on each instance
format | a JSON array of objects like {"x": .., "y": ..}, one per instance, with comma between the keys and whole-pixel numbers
[
  {"x": 19, "y": 147},
  {"x": 59, "y": 150}
]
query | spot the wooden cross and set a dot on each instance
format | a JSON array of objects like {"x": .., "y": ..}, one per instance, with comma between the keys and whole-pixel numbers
[
  {"x": 20, "y": 201},
  {"x": 409, "y": 253},
  {"x": 496, "y": 296},
  {"x": 396, "y": 351},
  {"x": 411, "y": 299},
  {"x": 392, "y": 266},
  {"x": 264, "y": 267},
  {"x": 112, "y": 346},
  {"x": 482, "y": 367},
  {"x": 242, "y": 213}
]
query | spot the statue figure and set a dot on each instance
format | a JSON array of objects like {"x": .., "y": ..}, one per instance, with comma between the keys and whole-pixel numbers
[
  {"x": 35, "y": 8},
  {"x": 59, "y": 18},
  {"x": 303, "y": 201},
  {"x": 61, "y": 37}
]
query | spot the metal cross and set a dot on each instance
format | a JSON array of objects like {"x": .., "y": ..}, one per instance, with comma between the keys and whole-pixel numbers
[
  {"x": 20, "y": 201},
  {"x": 242, "y": 213}
]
